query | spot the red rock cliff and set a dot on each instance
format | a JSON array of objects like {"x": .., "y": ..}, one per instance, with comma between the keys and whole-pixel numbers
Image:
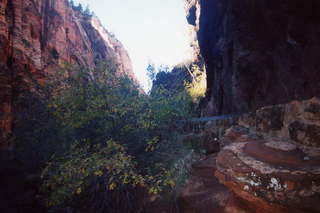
[
  {"x": 257, "y": 53},
  {"x": 37, "y": 36}
]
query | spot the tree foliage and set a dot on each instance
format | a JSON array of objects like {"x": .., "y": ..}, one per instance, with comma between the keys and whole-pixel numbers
[
  {"x": 85, "y": 11},
  {"x": 186, "y": 78},
  {"x": 102, "y": 136}
]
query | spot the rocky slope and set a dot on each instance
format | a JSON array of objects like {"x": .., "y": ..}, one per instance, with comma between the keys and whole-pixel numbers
[
  {"x": 37, "y": 36},
  {"x": 257, "y": 53}
]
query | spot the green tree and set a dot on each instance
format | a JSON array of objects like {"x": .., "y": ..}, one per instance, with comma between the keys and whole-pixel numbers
[{"x": 118, "y": 140}]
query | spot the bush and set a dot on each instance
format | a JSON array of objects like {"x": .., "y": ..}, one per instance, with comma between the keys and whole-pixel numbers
[{"x": 103, "y": 139}]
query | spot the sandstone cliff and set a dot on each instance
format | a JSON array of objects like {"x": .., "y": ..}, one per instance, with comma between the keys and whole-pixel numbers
[
  {"x": 257, "y": 53},
  {"x": 261, "y": 57},
  {"x": 37, "y": 36}
]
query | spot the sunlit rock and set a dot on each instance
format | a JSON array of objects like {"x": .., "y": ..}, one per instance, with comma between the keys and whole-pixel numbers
[{"x": 37, "y": 37}]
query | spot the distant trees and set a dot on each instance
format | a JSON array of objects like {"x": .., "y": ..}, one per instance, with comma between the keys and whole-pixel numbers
[
  {"x": 79, "y": 7},
  {"x": 88, "y": 12},
  {"x": 72, "y": 3},
  {"x": 184, "y": 78},
  {"x": 151, "y": 71}
]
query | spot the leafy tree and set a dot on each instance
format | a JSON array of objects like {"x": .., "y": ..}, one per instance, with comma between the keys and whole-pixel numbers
[
  {"x": 101, "y": 140},
  {"x": 183, "y": 78}
]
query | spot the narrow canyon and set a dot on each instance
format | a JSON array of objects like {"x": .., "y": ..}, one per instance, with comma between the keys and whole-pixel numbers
[{"x": 235, "y": 130}]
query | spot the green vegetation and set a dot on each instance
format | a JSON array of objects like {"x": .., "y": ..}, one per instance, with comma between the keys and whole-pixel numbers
[
  {"x": 185, "y": 78},
  {"x": 103, "y": 145},
  {"x": 87, "y": 12},
  {"x": 197, "y": 87}
]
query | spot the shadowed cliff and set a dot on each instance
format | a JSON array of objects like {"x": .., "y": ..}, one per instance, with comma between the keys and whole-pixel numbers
[{"x": 257, "y": 53}]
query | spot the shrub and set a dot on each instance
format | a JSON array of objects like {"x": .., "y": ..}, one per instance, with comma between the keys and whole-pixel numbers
[{"x": 103, "y": 139}]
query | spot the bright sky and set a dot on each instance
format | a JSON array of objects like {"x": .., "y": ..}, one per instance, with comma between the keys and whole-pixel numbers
[{"x": 151, "y": 30}]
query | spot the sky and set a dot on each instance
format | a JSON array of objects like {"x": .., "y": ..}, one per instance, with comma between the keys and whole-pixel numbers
[{"x": 150, "y": 30}]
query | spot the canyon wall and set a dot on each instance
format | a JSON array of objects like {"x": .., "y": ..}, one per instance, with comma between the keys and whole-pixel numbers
[
  {"x": 261, "y": 57},
  {"x": 37, "y": 37},
  {"x": 257, "y": 53}
]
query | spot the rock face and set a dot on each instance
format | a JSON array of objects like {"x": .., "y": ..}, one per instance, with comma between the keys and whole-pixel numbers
[
  {"x": 37, "y": 36},
  {"x": 260, "y": 55},
  {"x": 257, "y": 53},
  {"x": 277, "y": 169}
]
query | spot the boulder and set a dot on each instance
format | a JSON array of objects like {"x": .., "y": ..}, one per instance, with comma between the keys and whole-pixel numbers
[{"x": 278, "y": 170}]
